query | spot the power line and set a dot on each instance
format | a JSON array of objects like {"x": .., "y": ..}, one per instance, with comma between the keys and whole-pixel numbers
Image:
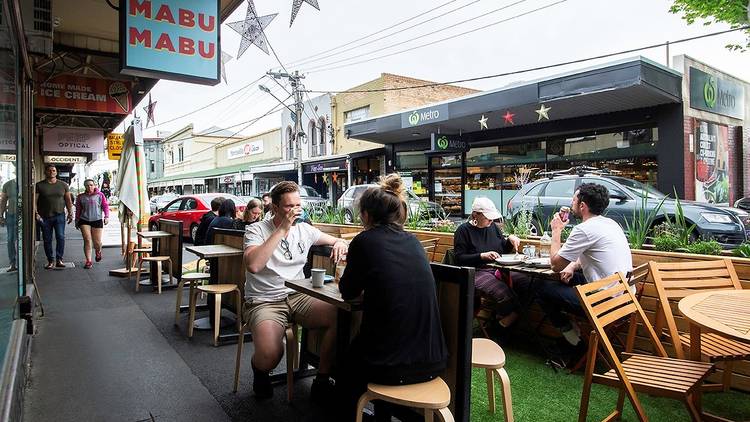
[
  {"x": 533, "y": 69},
  {"x": 294, "y": 62},
  {"x": 321, "y": 68},
  {"x": 392, "y": 34}
]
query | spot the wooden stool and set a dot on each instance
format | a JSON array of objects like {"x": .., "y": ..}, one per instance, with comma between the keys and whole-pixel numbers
[
  {"x": 136, "y": 256},
  {"x": 292, "y": 358},
  {"x": 158, "y": 260},
  {"x": 487, "y": 354},
  {"x": 192, "y": 279},
  {"x": 432, "y": 396},
  {"x": 217, "y": 290}
]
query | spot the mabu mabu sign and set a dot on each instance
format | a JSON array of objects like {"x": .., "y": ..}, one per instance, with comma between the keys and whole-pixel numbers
[{"x": 171, "y": 39}]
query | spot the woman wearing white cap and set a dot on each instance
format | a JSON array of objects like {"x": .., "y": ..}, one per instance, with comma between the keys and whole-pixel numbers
[{"x": 479, "y": 242}]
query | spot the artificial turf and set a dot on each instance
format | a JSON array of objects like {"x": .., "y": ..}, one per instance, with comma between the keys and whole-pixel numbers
[{"x": 541, "y": 394}]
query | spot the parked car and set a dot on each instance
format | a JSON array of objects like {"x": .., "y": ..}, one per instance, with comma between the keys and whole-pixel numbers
[
  {"x": 349, "y": 202},
  {"x": 545, "y": 196},
  {"x": 189, "y": 209},
  {"x": 310, "y": 197},
  {"x": 160, "y": 201},
  {"x": 743, "y": 203}
]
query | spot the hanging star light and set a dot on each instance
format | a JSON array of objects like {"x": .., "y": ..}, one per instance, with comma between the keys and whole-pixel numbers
[
  {"x": 149, "y": 109},
  {"x": 543, "y": 112},
  {"x": 251, "y": 29},
  {"x": 482, "y": 123},
  {"x": 296, "y": 4},
  {"x": 225, "y": 57},
  {"x": 508, "y": 117}
]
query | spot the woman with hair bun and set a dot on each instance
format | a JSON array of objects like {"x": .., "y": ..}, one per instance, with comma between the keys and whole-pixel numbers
[{"x": 400, "y": 339}]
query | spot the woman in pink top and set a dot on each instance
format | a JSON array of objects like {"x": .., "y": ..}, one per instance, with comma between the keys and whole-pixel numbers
[{"x": 92, "y": 214}]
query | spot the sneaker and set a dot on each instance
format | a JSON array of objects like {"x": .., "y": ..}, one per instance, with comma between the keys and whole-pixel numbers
[
  {"x": 12, "y": 269},
  {"x": 59, "y": 264},
  {"x": 98, "y": 256},
  {"x": 322, "y": 390},
  {"x": 262, "y": 384},
  {"x": 50, "y": 265},
  {"x": 87, "y": 265}
]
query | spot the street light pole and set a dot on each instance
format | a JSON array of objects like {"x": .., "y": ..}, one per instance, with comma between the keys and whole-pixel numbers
[{"x": 294, "y": 80}]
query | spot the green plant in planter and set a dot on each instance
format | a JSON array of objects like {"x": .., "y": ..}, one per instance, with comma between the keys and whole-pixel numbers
[
  {"x": 682, "y": 231},
  {"x": 521, "y": 226},
  {"x": 637, "y": 230},
  {"x": 705, "y": 247},
  {"x": 667, "y": 243},
  {"x": 743, "y": 250}
]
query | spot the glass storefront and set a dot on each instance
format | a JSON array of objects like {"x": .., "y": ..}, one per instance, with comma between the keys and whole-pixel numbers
[
  {"x": 366, "y": 170},
  {"x": 446, "y": 185},
  {"x": 412, "y": 166}
]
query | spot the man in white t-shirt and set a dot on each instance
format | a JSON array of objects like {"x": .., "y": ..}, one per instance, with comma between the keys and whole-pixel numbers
[
  {"x": 597, "y": 246},
  {"x": 275, "y": 251}
]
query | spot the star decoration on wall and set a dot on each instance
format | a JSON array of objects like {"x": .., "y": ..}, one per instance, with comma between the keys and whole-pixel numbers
[
  {"x": 296, "y": 4},
  {"x": 149, "y": 109},
  {"x": 225, "y": 57},
  {"x": 543, "y": 112},
  {"x": 508, "y": 117},
  {"x": 251, "y": 29},
  {"x": 482, "y": 122}
]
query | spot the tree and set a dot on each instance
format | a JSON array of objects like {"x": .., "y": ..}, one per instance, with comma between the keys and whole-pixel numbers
[{"x": 736, "y": 13}]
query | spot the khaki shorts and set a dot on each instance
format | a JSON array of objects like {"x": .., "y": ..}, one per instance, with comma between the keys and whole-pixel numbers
[{"x": 296, "y": 307}]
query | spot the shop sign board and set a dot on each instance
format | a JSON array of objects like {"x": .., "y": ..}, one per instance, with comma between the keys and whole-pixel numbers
[
  {"x": 711, "y": 163},
  {"x": 171, "y": 39},
  {"x": 73, "y": 140},
  {"x": 65, "y": 159},
  {"x": 78, "y": 93},
  {"x": 250, "y": 148},
  {"x": 114, "y": 145},
  {"x": 447, "y": 143},
  {"x": 438, "y": 113},
  {"x": 8, "y": 158},
  {"x": 716, "y": 95},
  {"x": 339, "y": 165}
]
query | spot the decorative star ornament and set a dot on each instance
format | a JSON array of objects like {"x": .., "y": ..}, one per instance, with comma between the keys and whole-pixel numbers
[
  {"x": 149, "y": 109},
  {"x": 508, "y": 117},
  {"x": 251, "y": 29},
  {"x": 225, "y": 57},
  {"x": 296, "y": 4},
  {"x": 543, "y": 112},
  {"x": 482, "y": 123}
]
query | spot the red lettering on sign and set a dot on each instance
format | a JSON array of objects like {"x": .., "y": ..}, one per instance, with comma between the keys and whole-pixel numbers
[
  {"x": 187, "y": 18},
  {"x": 207, "y": 52},
  {"x": 164, "y": 14},
  {"x": 187, "y": 46},
  {"x": 143, "y": 8},
  {"x": 164, "y": 43},
  {"x": 136, "y": 37},
  {"x": 208, "y": 27}
]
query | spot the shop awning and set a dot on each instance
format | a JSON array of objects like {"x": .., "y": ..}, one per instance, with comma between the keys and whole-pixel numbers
[
  {"x": 624, "y": 85},
  {"x": 277, "y": 167},
  {"x": 198, "y": 177}
]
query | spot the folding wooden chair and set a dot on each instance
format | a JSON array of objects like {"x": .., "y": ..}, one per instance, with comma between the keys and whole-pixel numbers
[
  {"x": 607, "y": 301},
  {"x": 675, "y": 280}
]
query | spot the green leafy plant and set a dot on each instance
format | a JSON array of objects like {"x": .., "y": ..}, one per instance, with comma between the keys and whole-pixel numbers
[
  {"x": 679, "y": 225},
  {"x": 667, "y": 243},
  {"x": 419, "y": 218},
  {"x": 637, "y": 230},
  {"x": 734, "y": 13},
  {"x": 743, "y": 250},
  {"x": 705, "y": 247},
  {"x": 520, "y": 226}
]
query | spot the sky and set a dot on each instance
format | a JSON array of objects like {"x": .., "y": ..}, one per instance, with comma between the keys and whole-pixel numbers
[{"x": 565, "y": 30}]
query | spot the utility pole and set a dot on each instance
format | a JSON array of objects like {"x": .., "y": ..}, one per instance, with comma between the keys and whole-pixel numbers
[{"x": 294, "y": 80}]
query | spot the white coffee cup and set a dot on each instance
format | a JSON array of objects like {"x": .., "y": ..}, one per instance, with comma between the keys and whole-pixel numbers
[{"x": 318, "y": 274}]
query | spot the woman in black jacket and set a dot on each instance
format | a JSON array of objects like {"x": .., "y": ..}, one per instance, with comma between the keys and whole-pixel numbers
[
  {"x": 225, "y": 220},
  {"x": 400, "y": 339}
]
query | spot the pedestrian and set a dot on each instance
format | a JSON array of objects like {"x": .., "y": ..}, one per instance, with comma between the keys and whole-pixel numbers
[
  {"x": 9, "y": 220},
  {"x": 52, "y": 200},
  {"x": 92, "y": 214},
  {"x": 252, "y": 214},
  {"x": 200, "y": 232},
  {"x": 266, "y": 203},
  {"x": 225, "y": 220}
]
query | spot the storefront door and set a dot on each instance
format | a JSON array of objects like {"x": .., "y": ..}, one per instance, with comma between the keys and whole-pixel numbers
[{"x": 447, "y": 182}]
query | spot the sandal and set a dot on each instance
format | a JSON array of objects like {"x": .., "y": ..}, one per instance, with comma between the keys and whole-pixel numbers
[{"x": 49, "y": 266}]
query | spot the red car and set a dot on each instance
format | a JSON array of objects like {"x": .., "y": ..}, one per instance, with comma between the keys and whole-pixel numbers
[{"x": 189, "y": 209}]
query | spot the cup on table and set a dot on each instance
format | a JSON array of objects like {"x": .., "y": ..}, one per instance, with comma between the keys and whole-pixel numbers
[
  {"x": 318, "y": 276},
  {"x": 564, "y": 213}
]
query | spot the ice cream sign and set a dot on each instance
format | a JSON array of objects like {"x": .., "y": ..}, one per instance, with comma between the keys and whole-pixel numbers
[
  {"x": 67, "y": 92},
  {"x": 171, "y": 39}
]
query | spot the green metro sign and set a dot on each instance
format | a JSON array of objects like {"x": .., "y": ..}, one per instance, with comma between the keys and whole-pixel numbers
[
  {"x": 716, "y": 95},
  {"x": 448, "y": 143}
]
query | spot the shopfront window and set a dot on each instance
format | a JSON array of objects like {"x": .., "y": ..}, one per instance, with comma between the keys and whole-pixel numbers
[
  {"x": 412, "y": 166},
  {"x": 367, "y": 170},
  {"x": 447, "y": 183}
]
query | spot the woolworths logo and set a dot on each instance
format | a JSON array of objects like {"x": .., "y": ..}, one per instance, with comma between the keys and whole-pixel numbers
[
  {"x": 442, "y": 142},
  {"x": 709, "y": 92},
  {"x": 414, "y": 118}
]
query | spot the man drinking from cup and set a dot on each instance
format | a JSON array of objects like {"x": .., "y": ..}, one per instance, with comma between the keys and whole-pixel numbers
[{"x": 275, "y": 251}]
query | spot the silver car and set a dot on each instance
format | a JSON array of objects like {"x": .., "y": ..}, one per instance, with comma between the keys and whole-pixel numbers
[
  {"x": 160, "y": 201},
  {"x": 349, "y": 202}
]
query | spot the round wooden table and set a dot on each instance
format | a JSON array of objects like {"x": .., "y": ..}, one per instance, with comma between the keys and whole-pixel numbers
[{"x": 721, "y": 311}]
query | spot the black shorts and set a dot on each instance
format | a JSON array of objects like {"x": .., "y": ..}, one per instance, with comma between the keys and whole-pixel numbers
[{"x": 98, "y": 224}]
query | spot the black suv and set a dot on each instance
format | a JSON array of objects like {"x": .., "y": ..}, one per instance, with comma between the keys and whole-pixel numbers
[{"x": 543, "y": 197}]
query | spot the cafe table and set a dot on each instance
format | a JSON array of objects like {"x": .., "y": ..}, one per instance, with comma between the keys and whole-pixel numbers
[
  {"x": 212, "y": 253},
  {"x": 154, "y": 236},
  {"x": 721, "y": 311}
]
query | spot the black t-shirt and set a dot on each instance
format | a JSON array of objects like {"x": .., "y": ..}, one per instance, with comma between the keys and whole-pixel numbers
[
  {"x": 200, "y": 234},
  {"x": 469, "y": 242},
  {"x": 400, "y": 331},
  {"x": 218, "y": 223}
]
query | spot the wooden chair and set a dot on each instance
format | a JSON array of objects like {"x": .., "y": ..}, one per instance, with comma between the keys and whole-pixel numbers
[
  {"x": 136, "y": 256},
  {"x": 675, "y": 280},
  {"x": 433, "y": 397},
  {"x": 430, "y": 247},
  {"x": 490, "y": 356},
  {"x": 159, "y": 262},
  {"x": 217, "y": 290},
  {"x": 193, "y": 280},
  {"x": 605, "y": 302}
]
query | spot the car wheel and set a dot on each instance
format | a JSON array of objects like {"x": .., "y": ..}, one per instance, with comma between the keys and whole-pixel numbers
[
  {"x": 348, "y": 217},
  {"x": 193, "y": 232},
  {"x": 153, "y": 227}
]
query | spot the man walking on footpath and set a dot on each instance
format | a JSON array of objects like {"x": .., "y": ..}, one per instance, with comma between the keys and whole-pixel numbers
[
  {"x": 52, "y": 199},
  {"x": 8, "y": 218}
]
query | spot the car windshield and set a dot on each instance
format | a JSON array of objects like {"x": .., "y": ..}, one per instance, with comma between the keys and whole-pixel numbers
[
  {"x": 308, "y": 191},
  {"x": 638, "y": 188}
]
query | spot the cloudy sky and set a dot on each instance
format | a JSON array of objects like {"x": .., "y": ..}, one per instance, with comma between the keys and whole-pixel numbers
[{"x": 519, "y": 34}]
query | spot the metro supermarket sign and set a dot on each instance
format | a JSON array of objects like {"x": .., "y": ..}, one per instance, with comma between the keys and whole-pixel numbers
[{"x": 171, "y": 39}]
